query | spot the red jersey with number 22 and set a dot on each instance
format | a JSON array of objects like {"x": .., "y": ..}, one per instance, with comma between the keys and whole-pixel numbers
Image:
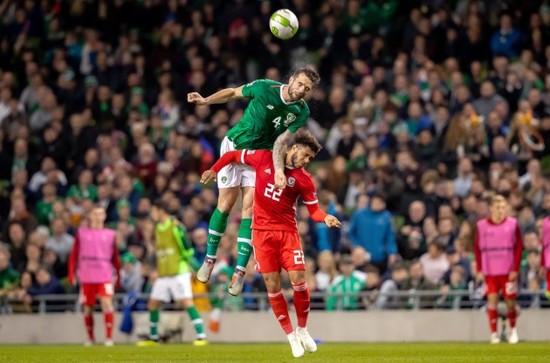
[{"x": 275, "y": 209}]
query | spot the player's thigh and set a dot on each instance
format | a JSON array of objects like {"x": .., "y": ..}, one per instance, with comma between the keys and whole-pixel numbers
[
  {"x": 88, "y": 294},
  {"x": 229, "y": 176},
  {"x": 292, "y": 255},
  {"x": 227, "y": 198},
  {"x": 180, "y": 286},
  {"x": 161, "y": 290},
  {"x": 509, "y": 289},
  {"x": 248, "y": 176},
  {"x": 266, "y": 251},
  {"x": 248, "y": 201},
  {"x": 106, "y": 290}
]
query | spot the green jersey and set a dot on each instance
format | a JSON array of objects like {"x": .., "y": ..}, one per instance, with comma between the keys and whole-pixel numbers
[
  {"x": 351, "y": 286},
  {"x": 266, "y": 116},
  {"x": 174, "y": 251}
]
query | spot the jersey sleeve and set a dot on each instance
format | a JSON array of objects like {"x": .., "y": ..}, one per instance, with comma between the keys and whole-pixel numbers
[
  {"x": 309, "y": 197},
  {"x": 255, "y": 158},
  {"x": 307, "y": 190},
  {"x": 477, "y": 251},
  {"x": 73, "y": 260},
  {"x": 518, "y": 250},
  {"x": 301, "y": 120},
  {"x": 254, "y": 88}
]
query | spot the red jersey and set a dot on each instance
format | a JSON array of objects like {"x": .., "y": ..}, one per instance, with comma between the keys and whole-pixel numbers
[{"x": 275, "y": 209}]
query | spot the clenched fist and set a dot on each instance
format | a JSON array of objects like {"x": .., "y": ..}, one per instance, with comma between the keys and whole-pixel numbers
[{"x": 195, "y": 97}]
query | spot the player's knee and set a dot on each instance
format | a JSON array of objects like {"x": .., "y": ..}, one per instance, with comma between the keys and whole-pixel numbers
[
  {"x": 297, "y": 277},
  {"x": 152, "y": 305},
  {"x": 106, "y": 305},
  {"x": 225, "y": 203},
  {"x": 272, "y": 282},
  {"x": 246, "y": 212},
  {"x": 185, "y": 304}
]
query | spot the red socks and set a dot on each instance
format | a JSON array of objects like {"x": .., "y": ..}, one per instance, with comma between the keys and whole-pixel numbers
[
  {"x": 280, "y": 309},
  {"x": 301, "y": 303},
  {"x": 89, "y": 322},
  {"x": 109, "y": 318},
  {"x": 512, "y": 315},
  {"x": 493, "y": 318}
]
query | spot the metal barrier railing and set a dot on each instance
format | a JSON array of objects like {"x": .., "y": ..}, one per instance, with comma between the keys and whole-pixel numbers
[{"x": 371, "y": 300}]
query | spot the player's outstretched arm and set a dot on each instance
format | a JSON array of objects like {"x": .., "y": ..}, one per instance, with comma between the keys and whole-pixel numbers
[
  {"x": 332, "y": 221},
  {"x": 222, "y": 96},
  {"x": 279, "y": 151}
]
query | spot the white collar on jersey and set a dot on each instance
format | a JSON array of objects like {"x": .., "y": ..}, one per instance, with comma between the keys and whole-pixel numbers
[{"x": 282, "y": 98}]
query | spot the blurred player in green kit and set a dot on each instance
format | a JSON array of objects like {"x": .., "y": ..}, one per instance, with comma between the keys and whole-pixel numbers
[
  {"x": 274, "y": 113},
  {"x": 174, "y": 263}
]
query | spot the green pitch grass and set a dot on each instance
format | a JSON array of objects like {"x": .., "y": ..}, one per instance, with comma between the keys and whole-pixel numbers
[{"x": 368, "y": 352}]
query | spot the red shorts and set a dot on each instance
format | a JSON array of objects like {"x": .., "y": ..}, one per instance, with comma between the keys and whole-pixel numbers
[
  {"x": 88, "y": 292},
  {"x": 548, "y": 280},
  {"x": 497, "y": 284},
  {"x": 274, "y": 250}
]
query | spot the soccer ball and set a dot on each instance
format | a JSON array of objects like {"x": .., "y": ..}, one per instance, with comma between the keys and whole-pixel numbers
[{"x": 283, "y": 24}]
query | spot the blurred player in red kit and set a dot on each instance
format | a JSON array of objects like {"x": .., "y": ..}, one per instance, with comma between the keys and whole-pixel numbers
[
  {"x": 92, "y": 262},
  {"x": 498, "y": 247}
]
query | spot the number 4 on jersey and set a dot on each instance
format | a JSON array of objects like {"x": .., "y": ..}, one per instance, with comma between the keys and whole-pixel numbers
[{"x": 277, "y": 121}]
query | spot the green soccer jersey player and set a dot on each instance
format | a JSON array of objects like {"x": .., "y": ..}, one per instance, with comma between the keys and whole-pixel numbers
[{"x": 274, "y": 113}]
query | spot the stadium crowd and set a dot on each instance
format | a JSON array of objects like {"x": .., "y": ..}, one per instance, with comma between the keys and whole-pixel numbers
[{"x": 422, "y": 111}]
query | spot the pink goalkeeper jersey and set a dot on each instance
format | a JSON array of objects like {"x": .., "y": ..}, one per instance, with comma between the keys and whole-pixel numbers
[
  {"x": 95, "y": 255},
  {"x": 498, "y": 247},
  {"x": 546, "y": 243}
]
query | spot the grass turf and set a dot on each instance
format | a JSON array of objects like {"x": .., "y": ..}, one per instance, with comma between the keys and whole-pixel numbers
[{"x": 367, "y": 352}]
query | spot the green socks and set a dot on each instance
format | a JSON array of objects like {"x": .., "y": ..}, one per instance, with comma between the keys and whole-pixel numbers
[
  {"x": 244, "y": 244},
  {"x": 196, "y": 320},
  {"x": 153, "y": 324},
  {"x": 216, "y": 228}
]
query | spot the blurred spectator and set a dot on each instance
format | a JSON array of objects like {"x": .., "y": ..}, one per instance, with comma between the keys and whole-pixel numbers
[
  {"x": 417, "y": 282},
  {"x": 327, "y": 270},
  {"x": 457, "y": 283},
  {"x": 20, "y": 215},
  {"x": 130, "y": 273},
  {"x": 60, "y": 241},
  {"x": 386, "y": 298},
  {"x": 9, "y": 277},
  {"x": 372, "y": 229},
  {"x": 348, "y": 284},
  {"x": 506, "y": 40},
  {"x": 411, "y": 239},
  {"x": 45, "y": 284},
  {"x": 434, "y": 262}
]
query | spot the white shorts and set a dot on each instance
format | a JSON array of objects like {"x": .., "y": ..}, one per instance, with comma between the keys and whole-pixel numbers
[
  {"x": 234, "y": 174},
  {"x": 178, "y": 287}
]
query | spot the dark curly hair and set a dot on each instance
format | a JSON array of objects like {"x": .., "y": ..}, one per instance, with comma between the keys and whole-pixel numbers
[{"x": 305, "y": 138}]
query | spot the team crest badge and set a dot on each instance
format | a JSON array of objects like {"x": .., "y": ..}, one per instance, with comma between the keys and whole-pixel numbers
[
  {"x": 291, "y": 181},
  {"x": 224, "y": 179},
  {"x": 290, "y": 118}
]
